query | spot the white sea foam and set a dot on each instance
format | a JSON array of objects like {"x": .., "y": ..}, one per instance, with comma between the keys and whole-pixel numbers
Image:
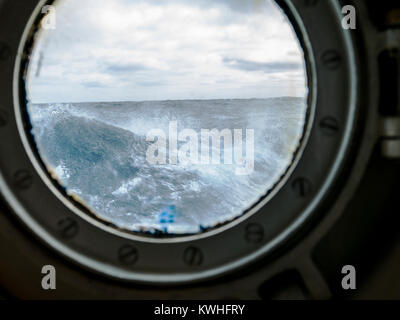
[{"x": 98, "y": 151}]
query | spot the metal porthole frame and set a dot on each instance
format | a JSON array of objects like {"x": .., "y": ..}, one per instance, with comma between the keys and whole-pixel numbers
[{"x": 333, "y": 67}]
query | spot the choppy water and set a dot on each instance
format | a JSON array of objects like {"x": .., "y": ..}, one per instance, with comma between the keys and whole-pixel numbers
[{"x": 98, "y": 151}]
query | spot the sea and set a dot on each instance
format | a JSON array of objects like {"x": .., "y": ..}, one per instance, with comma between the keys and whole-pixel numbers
[{"x": 97, "y": 152}]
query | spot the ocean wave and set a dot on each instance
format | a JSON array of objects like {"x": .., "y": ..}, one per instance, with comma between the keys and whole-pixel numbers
[{"x": 98, "y": 152}]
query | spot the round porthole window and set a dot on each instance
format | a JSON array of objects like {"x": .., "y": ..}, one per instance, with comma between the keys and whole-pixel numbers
[
  {"x": 169, "y": 142},
  {"x": 167, "y": 117}
]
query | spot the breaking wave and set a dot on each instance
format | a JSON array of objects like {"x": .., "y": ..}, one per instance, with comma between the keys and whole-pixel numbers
[{"x": 98, "y": 152}]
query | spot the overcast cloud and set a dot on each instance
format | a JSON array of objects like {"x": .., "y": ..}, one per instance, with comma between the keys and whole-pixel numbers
[{"x": 118, "y": 50}]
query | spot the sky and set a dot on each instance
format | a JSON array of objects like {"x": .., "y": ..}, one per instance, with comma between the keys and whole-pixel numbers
[{"x": 138, "y": 50}]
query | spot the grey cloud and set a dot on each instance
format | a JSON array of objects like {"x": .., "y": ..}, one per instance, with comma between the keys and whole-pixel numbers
[
  {"x": 92, "y": 84},
  {"x": 83, "y": 58},
  {"x": 242, "y": 6},
  {"x": 151, "y": 83},
  {"x": 267, "y": 67},
  {"x": 239, "y": 6},
  {"x": 124, "y": 67}
]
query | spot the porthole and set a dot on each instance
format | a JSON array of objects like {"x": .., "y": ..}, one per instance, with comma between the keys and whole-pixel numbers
[{"x": 65, "y": 220}]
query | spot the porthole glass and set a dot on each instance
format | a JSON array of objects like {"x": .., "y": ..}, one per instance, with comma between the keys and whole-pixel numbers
[{"x": 168, "y": 116}]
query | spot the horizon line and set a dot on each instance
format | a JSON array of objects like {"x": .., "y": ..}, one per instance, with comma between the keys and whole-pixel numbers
[{"x": 139, "y": 101}]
